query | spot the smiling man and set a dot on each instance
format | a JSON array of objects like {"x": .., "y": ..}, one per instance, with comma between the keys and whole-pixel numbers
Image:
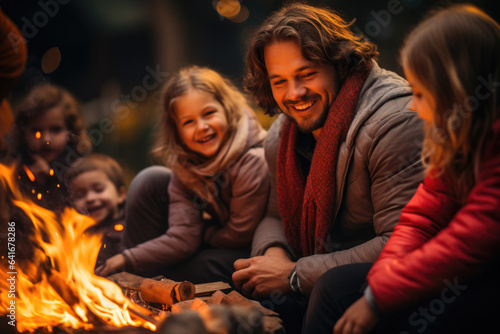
[
  {"x": 304, "y": 90},
  {"x": 344, "y": 155}
]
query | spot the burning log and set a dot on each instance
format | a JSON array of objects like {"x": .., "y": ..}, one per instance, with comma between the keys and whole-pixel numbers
[
  {"x": 71, "y": 298},
  {"x": 63, "y": 289},
  {"x": 144, "y": 314},
  {"x": 55, "y": 286}
]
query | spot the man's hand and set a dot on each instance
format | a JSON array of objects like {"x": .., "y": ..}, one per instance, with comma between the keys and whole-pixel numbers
[
  {"x": 261, "y": 275},
  {"x": 357, "y": 319},
  {"x": 112, "y": 264}
]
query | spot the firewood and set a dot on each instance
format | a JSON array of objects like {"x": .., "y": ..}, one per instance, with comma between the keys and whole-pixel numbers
[
  {"x": 187, "y": 322},
  {"x": 62, "y": 288},
  {"x": 166, "y": 291},
  {"x": 125, "y": 279},
  {"x": 207, "y": 289},
  {"x": 182, "y": 306},
  {"x": 143, "y": 313},
  {"x": 235, "y": 298},
  {"x": 216, "y": 298},
  {"x": 70, "y": 296},
  {"x": 272, "y": 325}
]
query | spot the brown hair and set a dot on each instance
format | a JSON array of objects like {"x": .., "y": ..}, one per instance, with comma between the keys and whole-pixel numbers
[
  {"x": 323, "y": 36},
  {"x": 39, "y": 100},
  {"x": 169, "y": 146},
  {"x": 455, "y": 53},
  {"x": 100, "y": 162}
]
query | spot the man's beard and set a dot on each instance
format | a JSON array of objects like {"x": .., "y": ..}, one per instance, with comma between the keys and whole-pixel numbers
[{"x": 308, "y": 126}]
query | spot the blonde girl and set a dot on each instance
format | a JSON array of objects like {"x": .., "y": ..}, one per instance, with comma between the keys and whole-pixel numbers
[
  {"x": 194, "y": 220},
  {"x": 438, "y": 272}
]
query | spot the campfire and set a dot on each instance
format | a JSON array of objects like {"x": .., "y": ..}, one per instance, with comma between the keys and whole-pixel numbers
[{"x": 55, "y": 287}]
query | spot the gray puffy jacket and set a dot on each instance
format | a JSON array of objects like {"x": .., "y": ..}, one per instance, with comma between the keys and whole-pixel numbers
[{"x": 378, "y": 171}]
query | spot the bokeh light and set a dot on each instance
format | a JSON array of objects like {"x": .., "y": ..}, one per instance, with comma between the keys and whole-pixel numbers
[
  {"x": 51, "y": 60},
  {"x": 228, "y": 8}
]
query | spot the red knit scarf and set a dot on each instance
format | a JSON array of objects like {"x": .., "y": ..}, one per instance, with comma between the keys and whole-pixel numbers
[{"x": 306, "y": 206}]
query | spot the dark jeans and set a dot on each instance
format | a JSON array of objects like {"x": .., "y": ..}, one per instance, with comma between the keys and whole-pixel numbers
[
  {"x": 146, "y": 215},
  {"x": 466, "y": 308},
  {"x": 291, "y": 309}
]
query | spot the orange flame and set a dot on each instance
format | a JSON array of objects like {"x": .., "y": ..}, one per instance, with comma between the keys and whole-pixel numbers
[
  {"x": 28, "y": 172},
  {"x": 58, "y": 288}
]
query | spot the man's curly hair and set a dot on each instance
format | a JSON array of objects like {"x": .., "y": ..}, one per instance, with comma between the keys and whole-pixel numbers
[{"x": 323, "y": 36}]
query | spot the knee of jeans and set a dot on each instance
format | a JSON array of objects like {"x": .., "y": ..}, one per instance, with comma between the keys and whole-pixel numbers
[
  {"x": 148, "y": 181},
  {"x": 320, "y": 285},
  {"x": 326, "y": 284}
]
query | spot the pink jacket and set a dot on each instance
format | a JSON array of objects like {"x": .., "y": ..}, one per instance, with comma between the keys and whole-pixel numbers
[
  {"x": 245, "y": 193},
  {"x": 438, "y": 242}
]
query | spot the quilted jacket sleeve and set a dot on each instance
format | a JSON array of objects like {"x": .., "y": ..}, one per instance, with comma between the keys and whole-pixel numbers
[
  {"x": 182, "y": 238},
  {"x": 250, "y": 191},
  {"x": 438, "y": 242},
  {"x": 395, "y": 171}
]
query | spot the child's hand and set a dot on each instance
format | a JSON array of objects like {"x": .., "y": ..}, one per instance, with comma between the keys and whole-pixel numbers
[
  {"x": 358, "y": 318},
  {"x": 114, "y": 263}
]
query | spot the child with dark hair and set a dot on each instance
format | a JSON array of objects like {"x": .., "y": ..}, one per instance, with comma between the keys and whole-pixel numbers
[
  {"x": 48, "y": 135},
  {"x": 97, "y": 189}
]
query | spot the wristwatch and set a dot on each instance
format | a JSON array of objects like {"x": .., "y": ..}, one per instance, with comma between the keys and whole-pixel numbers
[{"x": 293, "y": 281}]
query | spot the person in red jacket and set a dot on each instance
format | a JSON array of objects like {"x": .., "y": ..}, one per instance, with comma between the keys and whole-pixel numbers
[{"x": 438, "y": 272}]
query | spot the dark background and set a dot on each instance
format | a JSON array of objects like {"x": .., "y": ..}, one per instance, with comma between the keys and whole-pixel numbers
[{"x": 115, "y": 54}]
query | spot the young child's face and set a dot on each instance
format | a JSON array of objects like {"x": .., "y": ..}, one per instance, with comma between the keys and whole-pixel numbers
[
  {"x": 96, "y": 196},
  {"x": 47, "y": 134},
  {"x": 201, "y": 122},
  {"x": 423, "y": 101}
]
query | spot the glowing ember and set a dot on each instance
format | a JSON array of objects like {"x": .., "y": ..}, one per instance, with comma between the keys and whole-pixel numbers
[
  {"x": 58, "y": 286},
  {"x": 38, "y": 135},
  {"x": 29, "y": 173}
]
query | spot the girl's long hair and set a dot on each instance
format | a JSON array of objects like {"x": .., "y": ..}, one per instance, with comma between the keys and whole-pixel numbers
[{"x": 455, "y": 54}]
